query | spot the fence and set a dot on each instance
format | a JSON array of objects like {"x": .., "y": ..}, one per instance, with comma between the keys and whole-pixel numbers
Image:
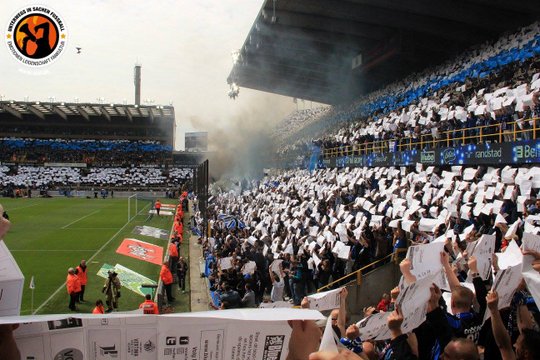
[{"x": 512, "y": 131}]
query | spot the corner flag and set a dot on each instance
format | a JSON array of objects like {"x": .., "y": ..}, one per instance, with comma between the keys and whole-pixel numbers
[{"x": 32, "y": 284}]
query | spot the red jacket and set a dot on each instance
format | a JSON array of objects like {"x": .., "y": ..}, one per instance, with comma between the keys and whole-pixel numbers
[
  {"x": 383, "y": 305},
  {"x": 166, "y": 275},
  {"x": 82, "y": 274},
  {"x": 99, "y": 310},
  {"x": 149, "y": 307},
  {"x": 173, "y": 250},
  {"x": 73, "y": 284}
]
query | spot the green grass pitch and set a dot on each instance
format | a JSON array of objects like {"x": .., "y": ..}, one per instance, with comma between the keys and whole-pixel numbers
[{"x": 50, "y": 235}]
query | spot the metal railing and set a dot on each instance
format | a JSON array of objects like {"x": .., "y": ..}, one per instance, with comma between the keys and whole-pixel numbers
[
  {"x": 356, "y": 276},
  {"x": 447, "y": 138}
]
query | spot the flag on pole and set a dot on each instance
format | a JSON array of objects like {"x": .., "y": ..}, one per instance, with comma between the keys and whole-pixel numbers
[{"x": 32, "y": 284}]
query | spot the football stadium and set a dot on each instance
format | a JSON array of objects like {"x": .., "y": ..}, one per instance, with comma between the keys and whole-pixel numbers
[{"x": 272, "y": 179}]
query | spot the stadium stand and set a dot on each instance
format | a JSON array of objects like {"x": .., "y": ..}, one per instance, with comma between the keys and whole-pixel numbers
[
  {"x": 55, "y": 145},
  {"x": 298, "y": 231},
  {"x": 485, "y": 81},
  {"x": 298, "y": 120},
  {"x": 312, "y": 229},
  {"x": 90, "y": 152},
  {"x": 50, "y": 177}
]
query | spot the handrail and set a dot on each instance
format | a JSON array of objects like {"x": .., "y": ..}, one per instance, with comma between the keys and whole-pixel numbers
[
  {"x": 447, "y": 137},
  {"x": 355, "y": 273}
]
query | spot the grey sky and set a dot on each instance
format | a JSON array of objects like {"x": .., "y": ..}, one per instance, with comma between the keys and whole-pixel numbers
[{"x": 184, "y": 48}]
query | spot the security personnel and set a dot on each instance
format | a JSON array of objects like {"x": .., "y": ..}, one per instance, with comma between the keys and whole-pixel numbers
[
  {"x": 167, "y": 279},
  {"x": 157, "y": 206},
  {"x": 82, "y": 274},
  {"x": 99, "y": 309},
  {"x": 73, "y": 286},
  {"x": 148, "y": 306},
  {"x": 173, "y": 255}
]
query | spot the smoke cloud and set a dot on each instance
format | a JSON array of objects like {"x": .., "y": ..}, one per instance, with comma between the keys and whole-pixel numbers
[{"x": 240, "y": 145}]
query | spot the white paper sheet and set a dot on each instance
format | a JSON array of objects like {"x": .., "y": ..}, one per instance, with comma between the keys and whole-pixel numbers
[{"x": 327, "y": 300}]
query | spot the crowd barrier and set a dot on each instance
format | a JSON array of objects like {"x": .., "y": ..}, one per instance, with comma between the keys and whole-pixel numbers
[
  {"x": 486, "y": 153},
  {"x": 512, "y": 131}
]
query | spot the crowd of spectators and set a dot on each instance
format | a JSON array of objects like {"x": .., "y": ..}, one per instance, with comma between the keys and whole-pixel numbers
[
  {"x": 297, "y": 120},
  {"x": 489, "y": 85},
  {"x": 93, "y": 152},
  {"x": 493, "y": 105},
  {"x": 87, "y": 131},
  {"x": 295, "y": 232},
  {"x": 52, "y": 177}
]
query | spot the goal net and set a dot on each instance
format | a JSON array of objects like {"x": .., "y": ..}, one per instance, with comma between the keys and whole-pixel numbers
[{"x": 138, "y": 206}]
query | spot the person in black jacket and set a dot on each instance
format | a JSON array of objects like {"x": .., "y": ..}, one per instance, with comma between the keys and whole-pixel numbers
[{"x": 440, "y": 327}]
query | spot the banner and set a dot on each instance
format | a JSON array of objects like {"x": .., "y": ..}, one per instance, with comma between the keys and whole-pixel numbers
[
  {"x": 128, "y": 278},
  {"x": 53, "y": 164},
  {"x": 141, "y": 250},
  {"x": 161, "y": 212},
  {"x": 519, "y": 152},
  {"x": 170, "y": 207},
  {"x": 151, "y": 231},
  {"x": 229, "y": 334}
]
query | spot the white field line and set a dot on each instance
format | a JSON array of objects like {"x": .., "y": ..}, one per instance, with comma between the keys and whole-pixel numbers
[
  {"x": 79, "y": 219},
  {"x": 88, "y": 261},
  {"x": 22, "y": 207},
  {"x": 92, "y": 228},
  {"x": 47, "y": 250}
]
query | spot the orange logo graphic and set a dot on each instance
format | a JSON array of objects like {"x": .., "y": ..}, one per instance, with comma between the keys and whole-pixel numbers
[{"x": 36, "y": 35}]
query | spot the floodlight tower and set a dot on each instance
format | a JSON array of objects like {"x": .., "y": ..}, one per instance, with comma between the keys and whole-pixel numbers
[{"x": 137, "y": 83}]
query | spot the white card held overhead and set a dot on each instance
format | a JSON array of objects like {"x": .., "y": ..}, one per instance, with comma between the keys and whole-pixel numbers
[
  {"x": 483, "y": 251},
  {"x": 375, "y": 327},
  {"x": 506, "y": 282},
  {"x": 512, "y": 256},
  {"x": 225, "y": 263},
  {"x": 532, "y": 277},
  {"x": 531, "y": 242},
  {"x": 327, "y": 300},
  {"x": 425, "y": 259},
  {"x": 413, "y": 301}
]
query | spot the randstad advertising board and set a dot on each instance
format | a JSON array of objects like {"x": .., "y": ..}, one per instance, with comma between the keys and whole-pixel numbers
[{"x": 521, "y": 152}]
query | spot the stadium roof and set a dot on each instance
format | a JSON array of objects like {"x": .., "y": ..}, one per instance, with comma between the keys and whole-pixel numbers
[
  {"x": 305, "y": 48},
  {"x": 40, "y": 110}
]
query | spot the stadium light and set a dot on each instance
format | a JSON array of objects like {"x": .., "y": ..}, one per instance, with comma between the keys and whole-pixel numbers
[
  {"x": 274, "y": 17},
  {"x": 235, "y": 54}
]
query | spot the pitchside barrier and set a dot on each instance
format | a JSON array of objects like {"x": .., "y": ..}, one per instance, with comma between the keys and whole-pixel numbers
[{"x": 160, "y": 292}]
